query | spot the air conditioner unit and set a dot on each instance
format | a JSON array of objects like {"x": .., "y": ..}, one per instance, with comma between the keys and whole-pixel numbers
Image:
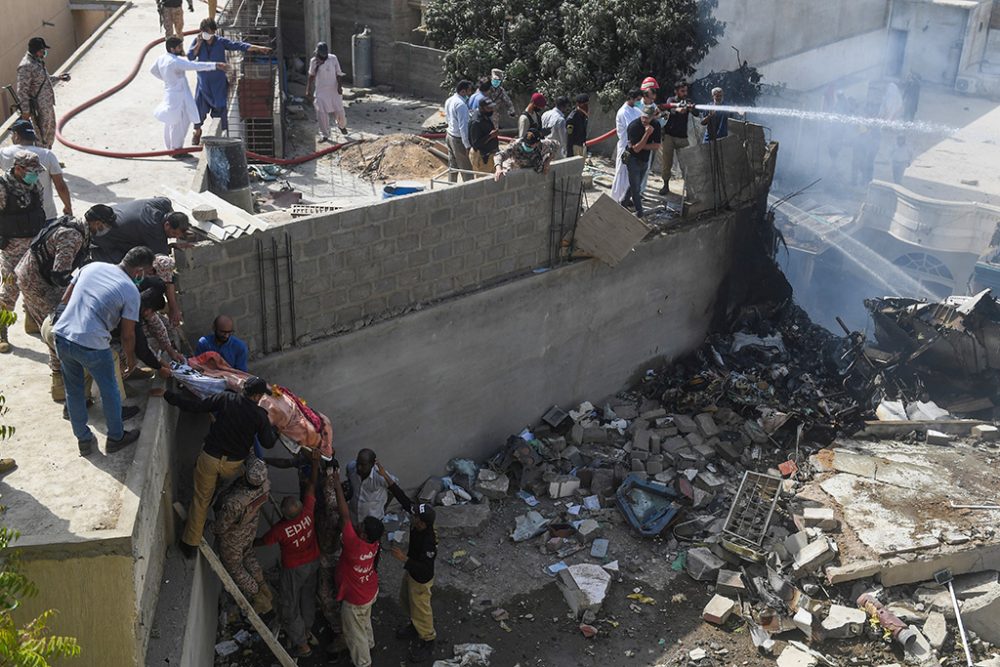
[{"x": 964, "y": 84}]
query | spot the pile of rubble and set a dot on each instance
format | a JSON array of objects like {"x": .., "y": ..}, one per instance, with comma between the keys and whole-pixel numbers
[{"x": 725, "y": 454}]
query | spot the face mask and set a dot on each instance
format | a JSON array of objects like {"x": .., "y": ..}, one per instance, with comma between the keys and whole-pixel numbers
[
  {"x": 207, "y": 36},
  {"x": 495, "y": 83},
  {"x": 101, "y": 231},
  {"x": 45, "y": 53},
  {"x": 526, "y": 148},
  {"x": 137, "y": 279},
  {"x": 30, "y": 178}
]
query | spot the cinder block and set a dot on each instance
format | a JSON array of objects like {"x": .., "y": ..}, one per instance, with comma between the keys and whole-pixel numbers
[
  {"x": 416, "y": 258},
  {"x": 383, "y": 248},
  {"x": 430, "y": 236},
  {"x": 431, "y": 272},
  {"x": 407, "y": 242},
  {"x": 369, "y": 233},
  {"x": 359, "y": 292},
  {"x": 415, "y": 222},
  {"x": 227, "y": 271},
  {"x": 441, "y": 252},
  {"x": 374, "y": 306}
]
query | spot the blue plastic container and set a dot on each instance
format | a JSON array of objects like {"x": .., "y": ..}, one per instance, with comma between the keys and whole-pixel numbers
[{"x": 400, "y": 188}]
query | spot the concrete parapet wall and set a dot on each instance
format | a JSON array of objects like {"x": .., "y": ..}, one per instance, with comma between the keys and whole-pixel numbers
[
  {"x": 359, "y": 265},
  {"x": 105, "y": 584},
  {"x": 458, "y": 377}
]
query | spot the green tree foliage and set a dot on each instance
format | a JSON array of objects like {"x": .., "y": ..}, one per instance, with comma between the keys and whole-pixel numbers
[
  {"x": 31, "y": 644},
  {"x": 569, "y": 46}
]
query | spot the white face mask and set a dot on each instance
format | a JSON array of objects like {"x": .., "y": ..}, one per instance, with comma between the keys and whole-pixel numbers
[{"x": 207, "y": 36}]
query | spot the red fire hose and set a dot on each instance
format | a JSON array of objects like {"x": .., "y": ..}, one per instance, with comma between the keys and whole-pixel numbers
[{"x": 69, "y": 115}]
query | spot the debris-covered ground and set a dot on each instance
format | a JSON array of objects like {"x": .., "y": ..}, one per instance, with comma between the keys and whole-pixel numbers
[{"x": 781, "y": 494}]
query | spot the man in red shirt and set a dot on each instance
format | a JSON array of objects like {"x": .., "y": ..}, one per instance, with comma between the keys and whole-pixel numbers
[
  {"x": 357, "y": 579},
  {"x": 296, "y": 536}
]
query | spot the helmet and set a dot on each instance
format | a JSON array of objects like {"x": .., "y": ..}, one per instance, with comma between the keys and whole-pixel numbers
[
  {"x": 256, "y": 472},
  {"x": 649, "y": 83}
]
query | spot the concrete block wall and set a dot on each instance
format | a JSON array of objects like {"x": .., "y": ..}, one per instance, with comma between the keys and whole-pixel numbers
[
  {"x": 456, "y": 378},
  {"x": 361, "y": 265},
  {"x": 419, "y": 70}
]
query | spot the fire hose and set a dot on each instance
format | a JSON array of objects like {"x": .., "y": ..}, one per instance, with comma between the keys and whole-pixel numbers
[{"x": 72, "y": 113}]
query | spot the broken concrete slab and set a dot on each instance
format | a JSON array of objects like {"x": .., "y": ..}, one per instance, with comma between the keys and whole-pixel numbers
[
  {"x": 823, "y": 518},
  {"x": 702, "y": 564},
  {"x": 430, "y": 489},
  {"x": 842, "y": 622},
  {"x": 609, "y": 232},
  {"x": 684, "y": 424},
  {"x": 563, "y": 486},
  {"x": 986, "y": 432},
  {"x": 803, "y": 620},
  {"x": 838, "y": 574},
  {"x": 813, "y": 556},
  {"x": 936, "y": 630},
  {"x": 730, "y": 583},
  {"x": 492, "y": 484},
  {"x": 975, "y": 584},
  {"x": 718, "y": 610},
  {"x": 938, "y": 438},
  {"x": 706, "y": 425},
  {"x": 461, "y": 520},
  {"x": 584, "y": 586},
  {"x": 982, "y": 615},
  {"x": 794, "y": 657}
]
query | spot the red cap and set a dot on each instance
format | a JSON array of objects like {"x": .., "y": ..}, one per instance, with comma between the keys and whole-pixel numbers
[
  {"x": 538, "y": 100},
  {"x": 649, "y": 83}
]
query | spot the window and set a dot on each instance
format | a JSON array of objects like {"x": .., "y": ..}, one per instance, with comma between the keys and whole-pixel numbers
[{"x": 924, "y": 263}]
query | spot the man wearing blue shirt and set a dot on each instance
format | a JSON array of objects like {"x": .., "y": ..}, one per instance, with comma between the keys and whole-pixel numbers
[
  {"x": 103, "y": 297},
  {"x": 212, "y": 93},
  {"x": 229, "y": 347}
]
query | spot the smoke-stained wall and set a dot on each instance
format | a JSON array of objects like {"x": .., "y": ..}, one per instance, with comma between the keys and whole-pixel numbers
[{"x": 807, "y": 44}]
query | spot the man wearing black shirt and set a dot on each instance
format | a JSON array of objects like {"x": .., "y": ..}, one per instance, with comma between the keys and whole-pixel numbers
[
  {"x": 483, "y": 137},
  {"x": 676, "y": 131},
  {"x": 576, "y": 126},
  {"x": 643, "y": 138},
  {"x": 418, "y": 561},
  {"x": 238, "y": 419}
]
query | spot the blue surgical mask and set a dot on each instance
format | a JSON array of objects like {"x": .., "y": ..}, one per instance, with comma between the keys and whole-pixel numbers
[
  {"x": 495, "y": 83},
  {"x": 526, "y": 148},
  {"x": 30, "y": 178}
]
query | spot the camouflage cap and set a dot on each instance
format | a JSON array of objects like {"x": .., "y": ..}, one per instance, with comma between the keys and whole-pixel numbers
[
  {"x": 28, "y": 160},
  {"x": 256, "y": 472}
]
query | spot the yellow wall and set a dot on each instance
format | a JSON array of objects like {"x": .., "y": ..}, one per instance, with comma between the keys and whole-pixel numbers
[
  {"x": 71, "y": 29},
  {"x": 96, "y": 598}
]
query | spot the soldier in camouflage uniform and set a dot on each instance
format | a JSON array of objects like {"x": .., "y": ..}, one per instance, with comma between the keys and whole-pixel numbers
[
  {"x": 44, "y": 272},
  {"x": 527, "y": 152},
  {"x": 328, "y": 536},
  {"x": 34, "y": 90},
  {"x": 22, "y": 215},
  {"x": 499, "y": 97},
  {"x": 236, "y": 527}
]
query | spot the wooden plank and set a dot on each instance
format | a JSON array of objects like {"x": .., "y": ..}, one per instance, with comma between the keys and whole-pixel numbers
[
  {"x": 609, "y": 232},
  {"x": 227, "y": 582}
]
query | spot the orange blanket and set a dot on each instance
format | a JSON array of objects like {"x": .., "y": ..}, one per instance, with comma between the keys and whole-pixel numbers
[{"x": 282, "y": 406}]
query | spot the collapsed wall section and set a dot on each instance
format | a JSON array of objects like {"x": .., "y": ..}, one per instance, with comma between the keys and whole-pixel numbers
[
  {"x": 456, "y": 378},
  {"x": 347, "y": 269}
]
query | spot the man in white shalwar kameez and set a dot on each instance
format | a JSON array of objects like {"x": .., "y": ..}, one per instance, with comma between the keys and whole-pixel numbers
[
  {"x": 177, "y": 111},
  {"x": 626, "y": 114},
  {"x": 324, "y": 83}
]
